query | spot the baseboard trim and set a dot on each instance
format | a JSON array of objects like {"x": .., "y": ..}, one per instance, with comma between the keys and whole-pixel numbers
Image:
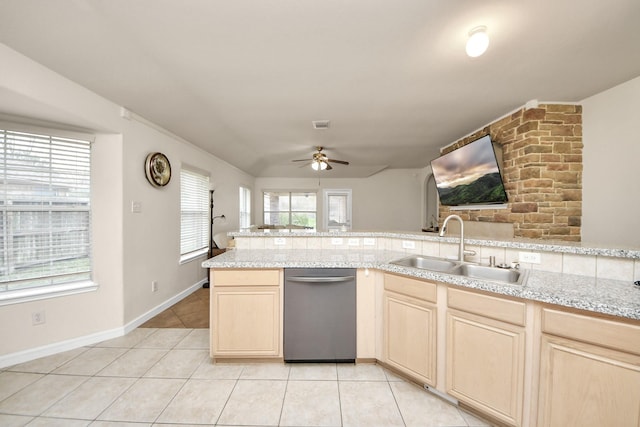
[
  {"x": 162, "y": 307},
  {"x": 58, "y": 347},
  {"x": 91, "y": 339},
  {"x": 231, "y": 360},
  {"x": 366, "y": 360}
]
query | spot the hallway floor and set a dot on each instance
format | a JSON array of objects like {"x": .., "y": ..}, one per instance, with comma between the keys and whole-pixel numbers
[
  {"x": 165, "y": 377},
  {"x": 191, "y": 312}
]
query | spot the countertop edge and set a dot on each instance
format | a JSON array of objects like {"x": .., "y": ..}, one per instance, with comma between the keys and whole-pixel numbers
[{"x": 566, "y": 290}]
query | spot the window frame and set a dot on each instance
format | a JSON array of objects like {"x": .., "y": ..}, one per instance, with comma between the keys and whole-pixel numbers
[
  {"x": 244, "y": 215},
  {"x": 70, "y": 287},
  {"x": 203, "y": 208},
  {"x": 290, "y": 210}
]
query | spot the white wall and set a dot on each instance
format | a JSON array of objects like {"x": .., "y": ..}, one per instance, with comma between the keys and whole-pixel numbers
[
  {"x": 611, "y": 175},
  {"x": 71, "y": 317},
  {"x": 389, "y": 200},
  {"x": 152, "y": 237},
  {"x": 130, "y": 250}
]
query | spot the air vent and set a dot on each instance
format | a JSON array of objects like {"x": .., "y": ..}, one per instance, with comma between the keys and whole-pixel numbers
[{"x": 320, "y": 124}]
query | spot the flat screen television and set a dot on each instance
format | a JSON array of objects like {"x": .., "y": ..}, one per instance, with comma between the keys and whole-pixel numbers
[{"x": 469, "y": 175}]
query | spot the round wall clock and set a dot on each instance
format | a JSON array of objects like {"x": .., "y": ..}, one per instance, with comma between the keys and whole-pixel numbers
[{"x": 158, "y": 169}]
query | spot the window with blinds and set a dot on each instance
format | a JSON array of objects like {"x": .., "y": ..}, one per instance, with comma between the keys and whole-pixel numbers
[
  {"x": 194, "y": 214},
  {"x": 45, "y": 195},
  {"x": 245, "y": 207}
]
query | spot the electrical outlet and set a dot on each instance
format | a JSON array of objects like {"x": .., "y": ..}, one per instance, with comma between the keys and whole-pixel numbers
[
  {"x": 353, "y": 242},
  {"x": 154, "y": 286},
  {"x": 279, "y": 241},
  {"x": 369, "y": 241},
  {"x": 529, "y": 257},
  {"x": 408, "y": 244},
  {"x": 336, "y": 241},
  {"x": 38, "y": 318}
]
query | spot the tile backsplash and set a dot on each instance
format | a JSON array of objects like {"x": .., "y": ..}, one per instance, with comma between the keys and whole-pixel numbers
[{"x": 600, "y": 266}]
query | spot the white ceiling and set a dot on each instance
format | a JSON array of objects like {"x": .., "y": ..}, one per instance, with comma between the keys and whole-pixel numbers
[{"x": 243, "y": 79}]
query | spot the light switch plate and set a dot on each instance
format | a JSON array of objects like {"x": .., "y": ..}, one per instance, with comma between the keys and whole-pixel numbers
[
  {"x": 336, "y": 241},
  {"x": 353, "y": 242},
  {"x": 369, "y": 241},
  {"x": 136, "y": 207},
  {"x": 279, "y": 241}
]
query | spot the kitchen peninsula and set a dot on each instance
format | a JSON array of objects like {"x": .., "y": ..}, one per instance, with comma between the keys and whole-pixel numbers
[{"x": 525, "y": 354}]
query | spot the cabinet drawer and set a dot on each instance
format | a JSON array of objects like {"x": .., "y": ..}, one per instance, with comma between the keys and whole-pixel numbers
[
  {"x": 488, "y": 306},
  {"x": 607, "y": 333},
  {"x": 228, "y": 277},
  {"x": 411, "y": 287}
]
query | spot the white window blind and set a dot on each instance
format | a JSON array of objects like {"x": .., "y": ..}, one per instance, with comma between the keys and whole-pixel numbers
[
  {"x": 245, "y": 207},
  {"x": 194, "y": 213},
  {"x": 45, "y": 186}
]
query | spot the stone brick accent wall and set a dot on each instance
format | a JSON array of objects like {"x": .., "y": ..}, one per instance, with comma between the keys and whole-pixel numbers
[{"x": 542, "y": 172}]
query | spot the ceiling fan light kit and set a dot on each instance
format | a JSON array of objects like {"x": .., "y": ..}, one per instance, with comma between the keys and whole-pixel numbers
[
  {"x": 320, "y": 162},
  {"x": 319, "y": 165}
]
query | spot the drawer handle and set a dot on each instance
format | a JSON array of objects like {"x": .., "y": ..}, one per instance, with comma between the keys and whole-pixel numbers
[{"x": 331, "y": 279}]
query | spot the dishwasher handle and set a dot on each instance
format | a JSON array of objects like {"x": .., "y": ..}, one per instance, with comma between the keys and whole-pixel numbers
[{"x": 327, "y": 279}]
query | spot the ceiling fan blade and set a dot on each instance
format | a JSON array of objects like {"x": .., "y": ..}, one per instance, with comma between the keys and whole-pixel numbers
[
  {"x": 320, "y": 157},
  {"x": 342, "y": 162}
]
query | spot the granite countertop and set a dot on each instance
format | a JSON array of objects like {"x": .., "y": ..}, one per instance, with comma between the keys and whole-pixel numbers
[{"x": 613, "y": 297}]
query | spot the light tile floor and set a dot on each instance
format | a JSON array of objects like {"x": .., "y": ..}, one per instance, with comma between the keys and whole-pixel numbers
[{"x": 163, "y": 377}]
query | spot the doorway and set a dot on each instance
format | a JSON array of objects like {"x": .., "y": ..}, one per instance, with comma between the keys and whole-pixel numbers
[
  {"x": 431, "y": 204},
  {"x": 337, "y": 210}
]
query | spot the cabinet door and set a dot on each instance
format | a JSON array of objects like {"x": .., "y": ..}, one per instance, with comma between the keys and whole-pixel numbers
[
  {"x": 410, "y": 336},
  {"x": 246, "y": 321},
  {"x": 586, "y": 385},
  {"x": 485, "y": 365}
]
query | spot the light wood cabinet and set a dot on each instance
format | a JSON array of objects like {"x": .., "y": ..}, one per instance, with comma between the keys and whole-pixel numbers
[
  {"x": 410, "y": 327},
  {"x": 246, "y": 314},
  {"x": 589, "y": 371},
  {"x": 521, "y": 364},
  {"x": 366, "y": 319},
  {"x": 485, "y": 355}
]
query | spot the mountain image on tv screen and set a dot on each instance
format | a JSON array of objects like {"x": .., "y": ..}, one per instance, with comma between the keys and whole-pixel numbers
[{"x": 469, "y": 175}]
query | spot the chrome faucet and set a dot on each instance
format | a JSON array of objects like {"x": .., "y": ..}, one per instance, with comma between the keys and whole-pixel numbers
[{"x": 443, "y": 230}]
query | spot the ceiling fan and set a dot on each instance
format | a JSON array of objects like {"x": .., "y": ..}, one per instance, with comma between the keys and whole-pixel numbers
[{"x": 320, "y": 161}]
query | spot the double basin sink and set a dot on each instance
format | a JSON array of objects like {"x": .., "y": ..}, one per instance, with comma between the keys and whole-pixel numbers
[{"x": 494, "y": 274}]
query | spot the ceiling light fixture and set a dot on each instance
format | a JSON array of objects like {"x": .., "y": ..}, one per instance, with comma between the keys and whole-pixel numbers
[
  {"x": 318, "y": 165},
  {"x": 478, "y": 41}
]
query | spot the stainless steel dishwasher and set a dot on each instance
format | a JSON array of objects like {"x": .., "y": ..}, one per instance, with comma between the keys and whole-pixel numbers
[{"x": 319, "y": 315}]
